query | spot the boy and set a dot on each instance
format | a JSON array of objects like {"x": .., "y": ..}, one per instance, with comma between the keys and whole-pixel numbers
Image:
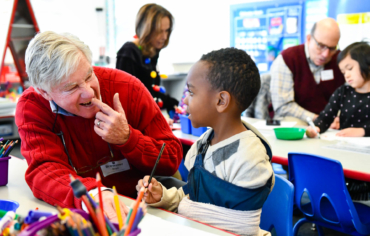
[{"x": 230, "y": 172}]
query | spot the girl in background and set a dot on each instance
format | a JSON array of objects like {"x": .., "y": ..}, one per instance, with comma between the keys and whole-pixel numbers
[{"x": 351, "y": 99}]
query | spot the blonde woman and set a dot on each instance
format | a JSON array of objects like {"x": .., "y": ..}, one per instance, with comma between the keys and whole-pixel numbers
[{"x": 153, "y": 29}]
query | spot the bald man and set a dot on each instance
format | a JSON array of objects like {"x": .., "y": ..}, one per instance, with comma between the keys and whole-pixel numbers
[{"x": 304, "y": 77}]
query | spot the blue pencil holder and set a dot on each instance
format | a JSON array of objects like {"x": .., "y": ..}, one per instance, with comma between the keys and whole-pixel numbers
[
  {"x": 198, "y": 131},
  {"x": 185, "y": 124},
  {"x": 8, "y": 205}
]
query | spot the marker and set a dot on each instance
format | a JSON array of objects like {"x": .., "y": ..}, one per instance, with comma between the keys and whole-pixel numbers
[
  {"x": 6, "y": 220},
  {"x": 309, "y": 120}
]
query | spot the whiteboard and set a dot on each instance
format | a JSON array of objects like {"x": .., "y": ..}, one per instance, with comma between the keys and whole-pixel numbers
[{"x": 6, "y": 7}]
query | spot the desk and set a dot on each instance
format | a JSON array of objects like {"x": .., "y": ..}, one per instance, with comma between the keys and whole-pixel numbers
[
  {"x": 355, "y": 165},
  {"x": 18, "y": 190}
]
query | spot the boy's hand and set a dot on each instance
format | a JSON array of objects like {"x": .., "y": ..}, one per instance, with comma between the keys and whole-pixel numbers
[
  {"x": 311, "y": 133},
  {"x": 351, "y": 132},
  {"x": 154, "y": 192}
]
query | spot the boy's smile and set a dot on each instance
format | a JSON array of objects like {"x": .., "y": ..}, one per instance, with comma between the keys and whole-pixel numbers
[{"x": 201, "y": 97}]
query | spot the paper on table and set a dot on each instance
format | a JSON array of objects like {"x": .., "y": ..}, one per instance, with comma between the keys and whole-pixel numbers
[
  {"x": 357, "y": 141},
  {"x": 176, "y": 126},
  {"x": 350, "y": 147},
  {"x": 153, "y": 225}
]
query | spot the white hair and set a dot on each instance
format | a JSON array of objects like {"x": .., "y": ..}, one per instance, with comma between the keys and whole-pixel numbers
[{"x": 52, "y": 57}]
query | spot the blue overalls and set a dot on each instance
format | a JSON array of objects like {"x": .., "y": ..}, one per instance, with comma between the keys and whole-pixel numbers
[{"x": 202, "y": 186}]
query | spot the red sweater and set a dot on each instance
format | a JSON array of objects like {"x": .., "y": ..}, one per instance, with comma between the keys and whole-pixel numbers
[
  {"x": 48, "y": 169},
  {"x": 309, "y": 95}
]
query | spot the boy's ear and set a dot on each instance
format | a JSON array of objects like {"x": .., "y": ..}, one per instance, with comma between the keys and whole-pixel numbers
[
  {"x": 45, "y": 94},
  {"x": 224, "y": 99}
]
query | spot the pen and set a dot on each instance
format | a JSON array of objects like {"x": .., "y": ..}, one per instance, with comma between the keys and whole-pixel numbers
[
  {"x": 156, "y": 163},
  {"x": 309, "y": 120}
]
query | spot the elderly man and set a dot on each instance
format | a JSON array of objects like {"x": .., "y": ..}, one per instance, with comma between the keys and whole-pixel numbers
[
  {"x": 79, "y": 120},
  {"x": 304, "y": 77}
]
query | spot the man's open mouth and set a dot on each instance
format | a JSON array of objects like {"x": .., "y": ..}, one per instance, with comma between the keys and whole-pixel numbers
[{"x": 86, "y": 104}]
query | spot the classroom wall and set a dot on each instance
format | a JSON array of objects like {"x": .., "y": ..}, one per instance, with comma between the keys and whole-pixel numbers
[{"x": 200, "y": 27}]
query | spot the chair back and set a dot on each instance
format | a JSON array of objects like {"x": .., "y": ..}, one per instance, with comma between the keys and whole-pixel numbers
[
  {"x": 277, "y": 212},
  {"x": 320, "y": 191},
  {"x": 259, "y": 108}
]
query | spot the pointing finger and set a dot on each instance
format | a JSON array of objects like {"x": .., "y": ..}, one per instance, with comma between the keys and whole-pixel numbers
[{"x": 102, "y": 106}]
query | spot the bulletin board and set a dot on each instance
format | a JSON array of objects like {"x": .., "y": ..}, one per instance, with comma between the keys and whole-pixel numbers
[
  {"x": 264, "y": 29},
  {"x": 353, "y": 17}
]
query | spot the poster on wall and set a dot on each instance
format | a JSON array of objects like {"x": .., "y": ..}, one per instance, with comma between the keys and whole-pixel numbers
[
  {"x": 354, "y": 28},
  {"x": 265, "y": 31}
]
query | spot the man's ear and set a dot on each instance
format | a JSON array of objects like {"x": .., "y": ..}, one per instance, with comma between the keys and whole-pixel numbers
[
  {"x": 308, "y": 38},
  {"x": 224, "y": 99},
  {"x": 45, "y": 94}
]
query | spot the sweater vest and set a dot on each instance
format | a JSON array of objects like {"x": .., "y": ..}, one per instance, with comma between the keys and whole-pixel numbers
[{"x": 307, "y": 94}]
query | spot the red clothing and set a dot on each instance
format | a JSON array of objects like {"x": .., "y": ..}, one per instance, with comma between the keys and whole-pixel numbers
[
  {"x": 48, "y": 168},
  {"x": 307, "y": 93}
]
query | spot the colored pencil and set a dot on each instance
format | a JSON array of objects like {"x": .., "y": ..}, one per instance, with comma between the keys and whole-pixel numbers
[
  {"x": 101, "y": 222},
  {"x": 98, "y": 182},
  {"x": 134, "y": 211},
  {"x": 118, "y": 208}
]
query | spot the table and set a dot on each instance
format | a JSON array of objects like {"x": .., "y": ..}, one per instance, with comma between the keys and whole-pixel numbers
[
  {"x": 18, "y": 190},
  {"x": 355, "y": 165}
]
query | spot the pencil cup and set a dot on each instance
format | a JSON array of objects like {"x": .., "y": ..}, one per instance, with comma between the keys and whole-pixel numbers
[
  {"x": 185, "y": 124},
  {"x": 137, "y": 231},
  {"x": 4, "y": 167},
  {"x": 198, "y": 131}
]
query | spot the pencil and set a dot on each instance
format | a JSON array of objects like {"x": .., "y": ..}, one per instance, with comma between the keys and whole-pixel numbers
[
  {"x": 2, "y": 149},
  {"x": 133, "y": 215},
  {"x": 118, "y": 208},
  {"x": 101, "y": 222},
  {"x": 8, "y": 151},
  {"x": 156, "y": 163},
  {"x": 92, "y": 213},
  {"x": 98, "y": 182}
]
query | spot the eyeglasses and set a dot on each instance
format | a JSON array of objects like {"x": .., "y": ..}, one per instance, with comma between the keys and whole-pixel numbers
[
  {"x": 86, "y": 169},
  {"x": 323, "y": 47},
  {"x": 83, "y": 169}
]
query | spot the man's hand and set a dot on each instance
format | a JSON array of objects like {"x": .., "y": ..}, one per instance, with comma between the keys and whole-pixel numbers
[
  {"x": 351, "y": 132},
  {"x": 169, "y": 121},
  {"x": 110, "y": 208},
  {"x": 111, "y": 124},
  {"x": 155, "y": 191}
]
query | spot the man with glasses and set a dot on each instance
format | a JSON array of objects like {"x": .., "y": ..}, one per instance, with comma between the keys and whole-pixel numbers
[
  {"x": 78, "y": 120},
  {"x": 304, "y": 77}
]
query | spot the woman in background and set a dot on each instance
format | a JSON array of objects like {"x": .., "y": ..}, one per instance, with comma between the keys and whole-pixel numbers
[{"x": 139, "y": 58}]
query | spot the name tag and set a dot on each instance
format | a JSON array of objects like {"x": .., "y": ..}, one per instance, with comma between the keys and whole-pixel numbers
[
  {"x": 327, "y": 75},
  {"x": 115, "y": 167}
]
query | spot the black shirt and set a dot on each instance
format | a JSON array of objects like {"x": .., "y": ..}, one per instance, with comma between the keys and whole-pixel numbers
[
  {"x": 131, "y": 60},
  {"x": 354, "y": 110}
]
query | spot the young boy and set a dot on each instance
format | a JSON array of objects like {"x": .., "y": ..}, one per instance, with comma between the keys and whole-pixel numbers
[{"x": 230, "y": 172}]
